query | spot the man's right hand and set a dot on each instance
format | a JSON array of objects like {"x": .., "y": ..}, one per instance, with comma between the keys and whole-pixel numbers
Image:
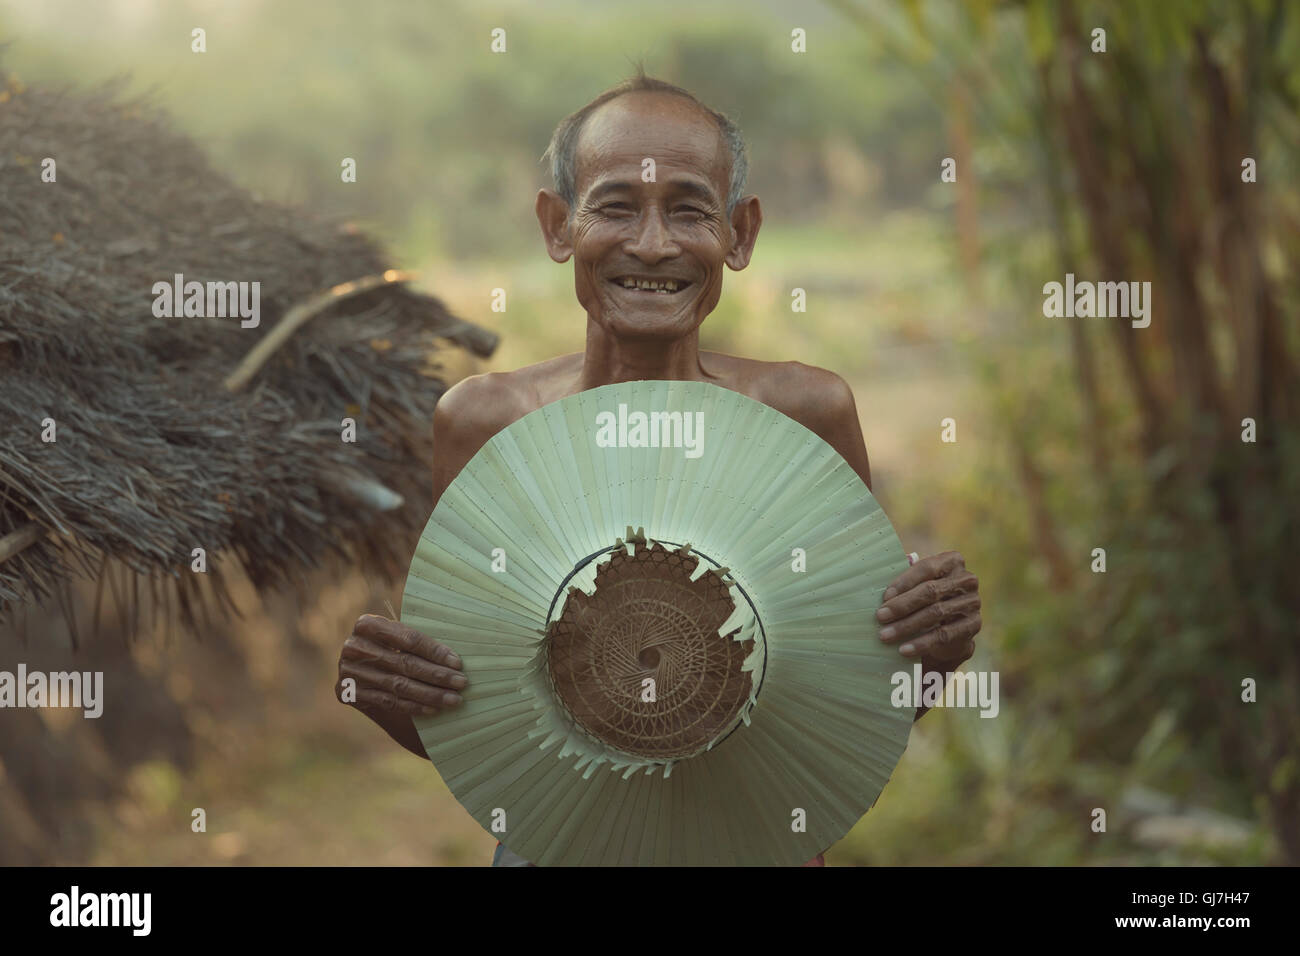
[{"x": 399, "y": 673}]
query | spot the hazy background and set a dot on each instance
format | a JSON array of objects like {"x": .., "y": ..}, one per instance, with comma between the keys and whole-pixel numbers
[{"x": 1119, "y": 690}]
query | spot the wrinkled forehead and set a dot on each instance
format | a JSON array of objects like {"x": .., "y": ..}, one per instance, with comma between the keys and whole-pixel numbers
[{"x": 619, "y": 135}]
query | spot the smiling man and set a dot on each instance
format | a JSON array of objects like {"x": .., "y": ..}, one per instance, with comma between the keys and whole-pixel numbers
[{"x": 648, "y": 258}]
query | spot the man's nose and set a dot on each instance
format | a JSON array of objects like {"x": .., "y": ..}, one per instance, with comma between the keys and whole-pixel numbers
[{"x": 653, "y": 240}]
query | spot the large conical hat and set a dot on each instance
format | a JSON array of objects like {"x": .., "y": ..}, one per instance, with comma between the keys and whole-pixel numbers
[{"x": 664, "y": 597}]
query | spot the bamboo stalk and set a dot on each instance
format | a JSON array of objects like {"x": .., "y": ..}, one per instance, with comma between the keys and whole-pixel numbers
[
  {"x": 16, "y": 541},
  {"x": 299, "y": 315}
]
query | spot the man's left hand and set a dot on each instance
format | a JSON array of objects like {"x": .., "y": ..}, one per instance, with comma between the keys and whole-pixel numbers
[{"x": 932, "y": 611}]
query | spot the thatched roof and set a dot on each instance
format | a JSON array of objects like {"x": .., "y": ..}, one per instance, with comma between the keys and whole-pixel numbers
[{"x": 157, "y": 450}]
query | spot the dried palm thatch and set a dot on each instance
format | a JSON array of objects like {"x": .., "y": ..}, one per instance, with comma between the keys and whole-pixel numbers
[{"x": 179, "y": 433}]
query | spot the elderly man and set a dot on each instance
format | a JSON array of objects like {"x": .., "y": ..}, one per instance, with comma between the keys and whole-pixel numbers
[{"x": 648, "y": 261}]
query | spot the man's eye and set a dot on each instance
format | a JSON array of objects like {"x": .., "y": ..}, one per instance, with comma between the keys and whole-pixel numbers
[
  {"x": 615, "y": 205},
  {"x": 690, "y": 209}
]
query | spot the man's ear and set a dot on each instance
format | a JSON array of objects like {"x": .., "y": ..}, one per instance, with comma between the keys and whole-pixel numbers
[
  {"x": 746, "y": 219},
  {"x": 553, "y": 216}
]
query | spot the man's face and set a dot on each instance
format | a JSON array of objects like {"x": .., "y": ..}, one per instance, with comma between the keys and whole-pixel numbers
[{"x": 673, "y": 230}]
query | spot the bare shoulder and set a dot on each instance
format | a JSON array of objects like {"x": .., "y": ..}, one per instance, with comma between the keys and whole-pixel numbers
[
  {"x": 817, "y": 398},
  {"x": 822, "y": 402},
  {"x": 467, "y": 415},
  {"x": 479, "y": 405}
]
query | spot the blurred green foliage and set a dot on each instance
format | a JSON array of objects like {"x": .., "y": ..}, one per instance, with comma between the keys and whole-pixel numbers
[
  {"x": 448, "y": 135},
  {"x": 1124, "y": 690}
]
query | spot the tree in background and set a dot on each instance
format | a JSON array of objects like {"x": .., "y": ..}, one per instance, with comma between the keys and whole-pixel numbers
[{"x": 1169, "y": 155}]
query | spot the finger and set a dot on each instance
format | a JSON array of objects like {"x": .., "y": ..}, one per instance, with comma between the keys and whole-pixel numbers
[
  {"x": 362, "y": 649},
  {"x": 371, "y": 699},
  {"x": 945, "y": 642},
  {"x": 926, "y": 593},
  {"x": 952, "y": 661},
  {"x": 405, "y": 638},
  {"x": 935, "y": 566},
  {"x": 372, "y": 677},
  {"x": 931, "y": 616}
]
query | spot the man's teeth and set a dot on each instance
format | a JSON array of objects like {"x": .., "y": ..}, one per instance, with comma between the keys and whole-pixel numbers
[{"x": 663, "y": 285}]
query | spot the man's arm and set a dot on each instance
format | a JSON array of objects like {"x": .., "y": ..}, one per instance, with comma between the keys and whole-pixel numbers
[
  {"x": 931, "y": 610},
  {"x": 399, "y": 672}
]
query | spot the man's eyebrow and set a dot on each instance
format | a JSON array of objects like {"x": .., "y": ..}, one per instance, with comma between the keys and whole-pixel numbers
[
  {"x": 695, "y": 188},
  {"x": 692, "y": 187},
  {"x": 608, "y": 187}
]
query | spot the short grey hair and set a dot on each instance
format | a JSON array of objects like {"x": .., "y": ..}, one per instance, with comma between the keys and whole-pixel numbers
[{"x": 562, "y": 152}]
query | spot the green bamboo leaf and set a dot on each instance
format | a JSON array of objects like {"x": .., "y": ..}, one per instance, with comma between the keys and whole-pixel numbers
[
  {"x": 1156, "y": 736},
  {"x": 1038, "y": 23},
  {"x": 981, "y": 12},
  {"x": 917, "y": 16}
]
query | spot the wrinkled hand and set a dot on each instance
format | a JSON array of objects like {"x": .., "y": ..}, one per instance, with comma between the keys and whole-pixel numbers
[
  {"x": 932, "y": 611},
  {"x": 398, "y": 670}
]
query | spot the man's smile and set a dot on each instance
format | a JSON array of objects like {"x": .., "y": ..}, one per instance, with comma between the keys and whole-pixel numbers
[{"x": 646, "y": 285}]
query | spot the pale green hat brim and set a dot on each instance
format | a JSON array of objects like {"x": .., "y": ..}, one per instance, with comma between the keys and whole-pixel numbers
[{"x": 823, "y": 736}]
